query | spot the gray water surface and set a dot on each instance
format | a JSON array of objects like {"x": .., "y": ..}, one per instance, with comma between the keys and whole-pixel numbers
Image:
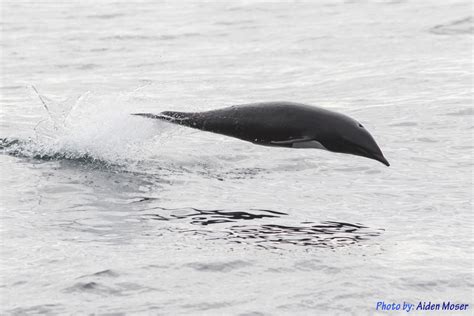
[{"x": 107, "y": 213}]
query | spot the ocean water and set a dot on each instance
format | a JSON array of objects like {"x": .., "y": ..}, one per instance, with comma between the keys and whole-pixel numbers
[{"x": 107, "y": 214}]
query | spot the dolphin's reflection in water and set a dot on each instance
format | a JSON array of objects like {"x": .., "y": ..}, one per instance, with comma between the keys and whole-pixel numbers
[{"x": 326, "y": 234}]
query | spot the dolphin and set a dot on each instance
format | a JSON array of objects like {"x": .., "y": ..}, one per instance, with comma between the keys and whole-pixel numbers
[{"x": 283, "y": 124}]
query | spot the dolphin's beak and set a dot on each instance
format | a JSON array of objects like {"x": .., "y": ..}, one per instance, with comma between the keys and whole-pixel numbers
[
  {"x": 381, "y": 158},
  {"x": 375, "y": 153}
]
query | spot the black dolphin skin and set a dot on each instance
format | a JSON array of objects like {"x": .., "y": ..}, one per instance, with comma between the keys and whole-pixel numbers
[{"x": 283, "y": 124}]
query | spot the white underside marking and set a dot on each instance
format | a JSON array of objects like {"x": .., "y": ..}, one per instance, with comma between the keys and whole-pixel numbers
[{"x": 309, "y": 144}]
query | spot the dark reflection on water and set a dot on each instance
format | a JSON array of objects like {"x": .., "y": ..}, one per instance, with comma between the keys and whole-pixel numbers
[
  {"x": 206, "y": 217},
  {"x": 325, "y": 234}
]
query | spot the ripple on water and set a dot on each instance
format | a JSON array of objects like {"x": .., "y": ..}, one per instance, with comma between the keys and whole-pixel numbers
[
  {"x": 404, "y": 124},
  {"x": 463, "y": 112},
  {"x": 106, "y": 283},
  {"x": 140, "y": 37},
  {"x": 105, "y": 16},
  {"x": 45, "y": 309},
  {"x": 462, "y": 26},
  {"x": 94, "y": 288},
  {"x": 219, "y": 266},
  {"x": 104, "y": 273}
]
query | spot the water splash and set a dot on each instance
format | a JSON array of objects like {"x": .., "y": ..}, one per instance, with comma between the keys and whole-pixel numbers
[{"x": 90, "y": 127}]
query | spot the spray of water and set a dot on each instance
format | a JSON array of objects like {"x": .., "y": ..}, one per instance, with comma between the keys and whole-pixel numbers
[{"x": 92, "y": 127}]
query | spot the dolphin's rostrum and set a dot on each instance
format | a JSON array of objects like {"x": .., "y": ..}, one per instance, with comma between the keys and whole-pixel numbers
[{"x": 283, "y": 124}]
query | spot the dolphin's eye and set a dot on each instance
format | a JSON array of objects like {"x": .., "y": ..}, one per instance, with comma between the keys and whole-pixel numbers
[{"x": 360, "y": 125}]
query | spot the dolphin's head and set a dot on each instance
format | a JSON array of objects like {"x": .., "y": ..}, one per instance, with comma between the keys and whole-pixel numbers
[{"x": 348, "y": 136}]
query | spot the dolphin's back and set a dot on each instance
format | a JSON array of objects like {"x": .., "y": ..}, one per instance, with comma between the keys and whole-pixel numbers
[{"x": 257, "y": 123}]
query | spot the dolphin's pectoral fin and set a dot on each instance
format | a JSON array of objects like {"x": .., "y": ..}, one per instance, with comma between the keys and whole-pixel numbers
[
  {"x": 290, "y": 141},
  {"x": 305, "y": 142}
]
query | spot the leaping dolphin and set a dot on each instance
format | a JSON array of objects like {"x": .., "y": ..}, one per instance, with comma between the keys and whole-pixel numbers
[{"x": 283, "y": 124}]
